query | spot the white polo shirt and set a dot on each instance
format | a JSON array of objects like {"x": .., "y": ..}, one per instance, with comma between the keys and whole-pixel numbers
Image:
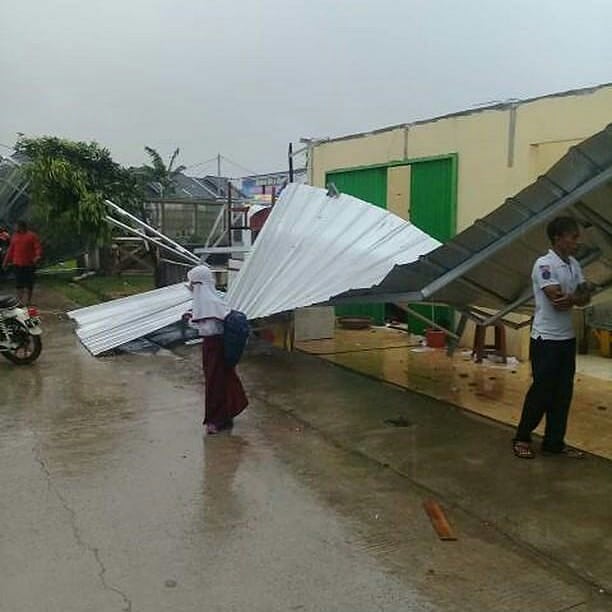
[{"x": 550, "y": 269}]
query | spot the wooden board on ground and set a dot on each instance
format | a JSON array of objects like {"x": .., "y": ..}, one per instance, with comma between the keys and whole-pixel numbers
[{"x": 438, "y": 520}]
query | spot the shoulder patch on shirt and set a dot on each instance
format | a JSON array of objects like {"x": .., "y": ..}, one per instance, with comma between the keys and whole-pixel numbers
[{"x": 545, "y": 272}]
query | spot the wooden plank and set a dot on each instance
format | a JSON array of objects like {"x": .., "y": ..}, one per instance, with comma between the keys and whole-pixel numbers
[{"x": 438, "y": 520}]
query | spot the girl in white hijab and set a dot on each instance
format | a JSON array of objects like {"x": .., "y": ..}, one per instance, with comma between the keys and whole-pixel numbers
[{"x": 224, "y": 395}]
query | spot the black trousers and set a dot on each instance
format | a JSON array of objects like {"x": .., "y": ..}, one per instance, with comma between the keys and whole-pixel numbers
[
  {"x": 24, "y": 277},
  {"x": 553, "y": 364}
]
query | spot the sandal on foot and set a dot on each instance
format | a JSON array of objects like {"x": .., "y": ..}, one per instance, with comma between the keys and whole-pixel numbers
[{"x": 523, "y": 450}]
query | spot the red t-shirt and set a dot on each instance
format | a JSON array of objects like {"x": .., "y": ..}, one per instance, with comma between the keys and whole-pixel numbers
[{"x": 25, "y": 249}]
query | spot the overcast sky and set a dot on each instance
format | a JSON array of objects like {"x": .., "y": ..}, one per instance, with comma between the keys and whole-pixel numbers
[{"x": 245, "y": 77}]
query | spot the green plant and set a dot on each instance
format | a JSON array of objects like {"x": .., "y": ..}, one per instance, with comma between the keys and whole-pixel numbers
[
  {"x": 68, "y": 184},
  {"x": 159, "y": 172}
]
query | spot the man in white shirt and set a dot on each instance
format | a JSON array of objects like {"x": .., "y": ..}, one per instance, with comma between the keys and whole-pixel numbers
[{"x": 558, "y": 286}]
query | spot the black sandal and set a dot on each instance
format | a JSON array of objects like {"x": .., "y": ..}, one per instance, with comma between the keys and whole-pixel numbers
[{"x": 523, "y": 450}]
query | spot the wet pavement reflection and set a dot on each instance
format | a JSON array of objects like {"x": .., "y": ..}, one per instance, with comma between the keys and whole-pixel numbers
[
  {"x": 491, "y": 390},
  {"x": 113, "y": 499}
]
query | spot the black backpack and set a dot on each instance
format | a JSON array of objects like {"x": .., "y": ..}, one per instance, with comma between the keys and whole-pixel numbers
[{"x": 236, "y": 331}]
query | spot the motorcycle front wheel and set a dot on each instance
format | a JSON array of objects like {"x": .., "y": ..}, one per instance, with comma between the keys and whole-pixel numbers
[{"x": 27, "y": 352}]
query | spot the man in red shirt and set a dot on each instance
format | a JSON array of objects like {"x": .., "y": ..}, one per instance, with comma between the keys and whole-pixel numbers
[{"x": 24, "y": 253}]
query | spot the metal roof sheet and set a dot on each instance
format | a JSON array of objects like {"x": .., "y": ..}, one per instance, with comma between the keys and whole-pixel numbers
[
  {"x": 314, "y": 246},
  {"x": 105, "y": 326}
]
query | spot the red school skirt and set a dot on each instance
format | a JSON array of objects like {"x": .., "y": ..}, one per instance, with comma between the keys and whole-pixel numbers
[{"x": 224, "y": 394}]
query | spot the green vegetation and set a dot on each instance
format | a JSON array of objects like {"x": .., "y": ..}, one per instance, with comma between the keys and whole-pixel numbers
[
  {"x": 159, "y": 173},
  {"x": 68, "y": 265},
  {"x": 96, "y": 289},
  {"x": 68, "y": 184}
]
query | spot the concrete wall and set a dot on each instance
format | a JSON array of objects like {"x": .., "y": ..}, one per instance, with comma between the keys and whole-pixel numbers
[{"x": 398, "y": 191}]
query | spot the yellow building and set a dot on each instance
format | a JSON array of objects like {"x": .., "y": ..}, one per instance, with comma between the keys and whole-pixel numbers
[
  {"x": 497, "y": 150},
  {"x": 444, "y": 173}
]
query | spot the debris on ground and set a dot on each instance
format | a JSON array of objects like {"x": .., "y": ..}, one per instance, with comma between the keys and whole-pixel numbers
[{"x": 438, "y": 520}]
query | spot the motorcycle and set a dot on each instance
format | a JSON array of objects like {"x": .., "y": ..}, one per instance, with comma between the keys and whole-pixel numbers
[{"x": 20, "y": 331}]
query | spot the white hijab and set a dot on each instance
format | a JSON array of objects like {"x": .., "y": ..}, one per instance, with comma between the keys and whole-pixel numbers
[{"x": 207, "y": 303}]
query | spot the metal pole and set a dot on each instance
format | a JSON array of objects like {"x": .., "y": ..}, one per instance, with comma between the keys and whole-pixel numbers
[
  {"x": 310, "y": 162},
  {"x": 229, "y": 212},
  {"x": 219, "y": 174},
  {"x": 291, "y": 162},
  {"x": 453, "y": 343},
  {"x": 149, "y": 239},
  {"x": 218, "y": 221},
  {"x": 511, "y": 134},
  {"x": 125, "y": 213},
  {"x": 418, "y": 315}
]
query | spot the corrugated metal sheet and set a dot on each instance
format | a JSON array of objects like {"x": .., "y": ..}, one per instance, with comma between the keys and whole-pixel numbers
[
  {"x": 314, "y": 247},
  {"x": 311, "y": 248},
  {"x": 489, "y": 264},
  {"x": 369, "y": 184},
  {"x": 108, "y": 325}
]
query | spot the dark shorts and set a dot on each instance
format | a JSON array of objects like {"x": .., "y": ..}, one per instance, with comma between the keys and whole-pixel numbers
[{"x": 24, "y": 277}]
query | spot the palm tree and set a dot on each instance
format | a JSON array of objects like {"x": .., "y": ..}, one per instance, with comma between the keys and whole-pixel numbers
[{"x": 159, "y": 173}]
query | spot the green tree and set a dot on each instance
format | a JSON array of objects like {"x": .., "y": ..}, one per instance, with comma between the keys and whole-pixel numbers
[
  {"x": 159, "y": 172},
  {"x": 68, "y": 184}
]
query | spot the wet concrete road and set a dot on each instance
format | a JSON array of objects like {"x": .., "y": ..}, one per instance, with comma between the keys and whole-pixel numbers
[{"x": 112, "y": 499}]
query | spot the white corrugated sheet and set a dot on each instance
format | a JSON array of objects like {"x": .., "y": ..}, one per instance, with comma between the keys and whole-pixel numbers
[
  {"x": 108, "y": 325},
  {"x": 312, "y": 248}
]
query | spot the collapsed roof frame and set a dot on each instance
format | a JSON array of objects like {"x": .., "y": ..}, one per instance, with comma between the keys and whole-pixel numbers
[
  {"x": 286, "y": 269},
  {"x": 489, "y": 263},
  {"x": 148, "y": 234},
  {"x": 14, "y": 184}
]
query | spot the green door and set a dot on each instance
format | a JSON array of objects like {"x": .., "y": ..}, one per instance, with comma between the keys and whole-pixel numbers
[
  {"x": 370, "y": 185},
  {"x": 433, "y": 197}
]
